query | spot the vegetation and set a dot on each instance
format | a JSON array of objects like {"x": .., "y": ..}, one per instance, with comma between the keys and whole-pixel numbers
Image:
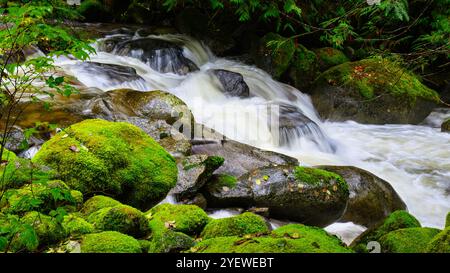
[{"x": 240, "y": 225}]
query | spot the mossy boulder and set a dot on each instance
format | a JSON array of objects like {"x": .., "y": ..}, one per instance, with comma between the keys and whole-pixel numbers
[
  {"x": 447, "y": 220},
  {"x": 288, "y": 239},
  {"x": 371, "y": 200},
  {"x": 440, "y": 243},
  {"x": 109, "y": 242},
  {"x": 304, "y": 68},
  {"x": 94, "y": 11},
  {"x": 243, "y": 224},
  {"x": 47, "y": 229},
  {"x": 407, "y": 240},
  {"x": 275, "y": 62},
  {"x": 49, "y": 196},
  {"x": 98, "y": 202},
  {"x": 116, "y": 158},
  {"x": 188, "y": 219},
  {"x": 75, "y": 225},
  {"x": 164, "y": 240},
  {"x": 307, "y": 195},
  {"x": 397, "y": 220},
  {"x": 121, "y": 218},
  {"x": 329, "y": 57},
  {"x": 374, "y": 90},
  {"x": 445, "y": 127}
]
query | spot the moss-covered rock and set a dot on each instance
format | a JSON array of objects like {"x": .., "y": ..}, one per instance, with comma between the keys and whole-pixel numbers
[
  {"x": 440, "y": 243},
  {"x": 374, "y": 90},
  {"x": 276, "y": 62},
  {"x": 94, "y": 11},
  {"x": 397, "y": 220},
  {"x": 121, "y": 218},
  {"x": 304, "y": 67},
  {"x": 447, "y": 220},
  {"x": 109, "y": 242},
  {"x": 41, "y": 197},
  {"x": 98, "y": 202},
  {"x": 306, "y": 195},
  {"x": 445, "y": 127},
  {"x": 243, "y": 224},
  {"x": 21, "y": 171},
  {"x": 407, "y": 240},
  {"x": 188, "y": 219},
  {"x": 75, "y": 225},
  {"x": 115, "y": 158},
  {"x": 329, "y": 57},
  {"x": 48, "y": 230},
  {"x": 289, "y": 239},
  {"x": 164, "y": 240}
]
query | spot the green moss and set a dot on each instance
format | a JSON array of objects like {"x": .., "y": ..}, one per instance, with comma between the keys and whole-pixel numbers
[
  {"x": 312, "y": 176},
  {"x": 48, "y": 230},
  {"x": 75, "y": 225},
  {"x": 376, "y": 76},
  {"x": 399, "y": 219},
  {"x": 7, "y": 167},
  {"x": 329, "y": 57},
  {"x": 21, "y": 238},
  {"x": 407, "y": 240},
  {"x": 93, "y": 10},
  {"x": 121, "y": 218},
  {"x": 225, "y": 180},
  {"x": 288, "y": 239},
  {"x": 98, "y": 202},
  {"x": 109, "y": 242},
  {"x": 188, "y": 219},
  {"x": 447, "y": 220},
  {"x": 281, "y": 57},
  {"x": 41, "y": 197},
  {"x": 115, "y": 158},
  {"x": 164, "y": 240},
  {"x": 246, "y": 223},
  {"x": 440, "y": 243}
]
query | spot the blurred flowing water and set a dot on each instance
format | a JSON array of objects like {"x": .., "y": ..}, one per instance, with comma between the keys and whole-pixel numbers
[{"x": 414, "y": 159}]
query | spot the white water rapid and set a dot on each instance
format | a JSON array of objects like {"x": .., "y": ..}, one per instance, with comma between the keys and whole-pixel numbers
[{"x": 414, "y": 159}]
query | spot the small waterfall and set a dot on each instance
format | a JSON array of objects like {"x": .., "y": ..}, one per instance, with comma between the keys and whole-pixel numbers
[{"x": 414, "y": 159}]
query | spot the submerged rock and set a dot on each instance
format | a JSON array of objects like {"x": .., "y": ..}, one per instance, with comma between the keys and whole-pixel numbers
[
  {"x": 112, "y": 72},
  {"x": 306, "y": 195},
  {"x": 371, "y": 198},
  {"x": 373, "y": 91},
  {"x": 162, "y": 56},
  {"x": 116, "y": 158},
  {"x": 233, "y": 83}
]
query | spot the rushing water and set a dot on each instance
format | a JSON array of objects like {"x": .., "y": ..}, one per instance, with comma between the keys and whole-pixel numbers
[{"x": 414, "y": 159}]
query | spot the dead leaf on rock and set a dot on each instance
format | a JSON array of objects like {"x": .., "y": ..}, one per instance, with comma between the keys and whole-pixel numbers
[{"x": 74, "y": 149}]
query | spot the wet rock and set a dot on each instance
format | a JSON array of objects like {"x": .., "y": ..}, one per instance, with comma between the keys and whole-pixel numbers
[
  {"x": 233, "y": 83},
  {"x": 294, "y": 124},
  {"x": 113, "y": 73},
  {"x": 372, "y": 199},
  {"x": 306, "y": 195},
  {"x": 162, "y": 56},
  {"x": 239, "y": 158},
  {"x": 123, "y": 103},
  {"x": 193, "y": 172}
]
